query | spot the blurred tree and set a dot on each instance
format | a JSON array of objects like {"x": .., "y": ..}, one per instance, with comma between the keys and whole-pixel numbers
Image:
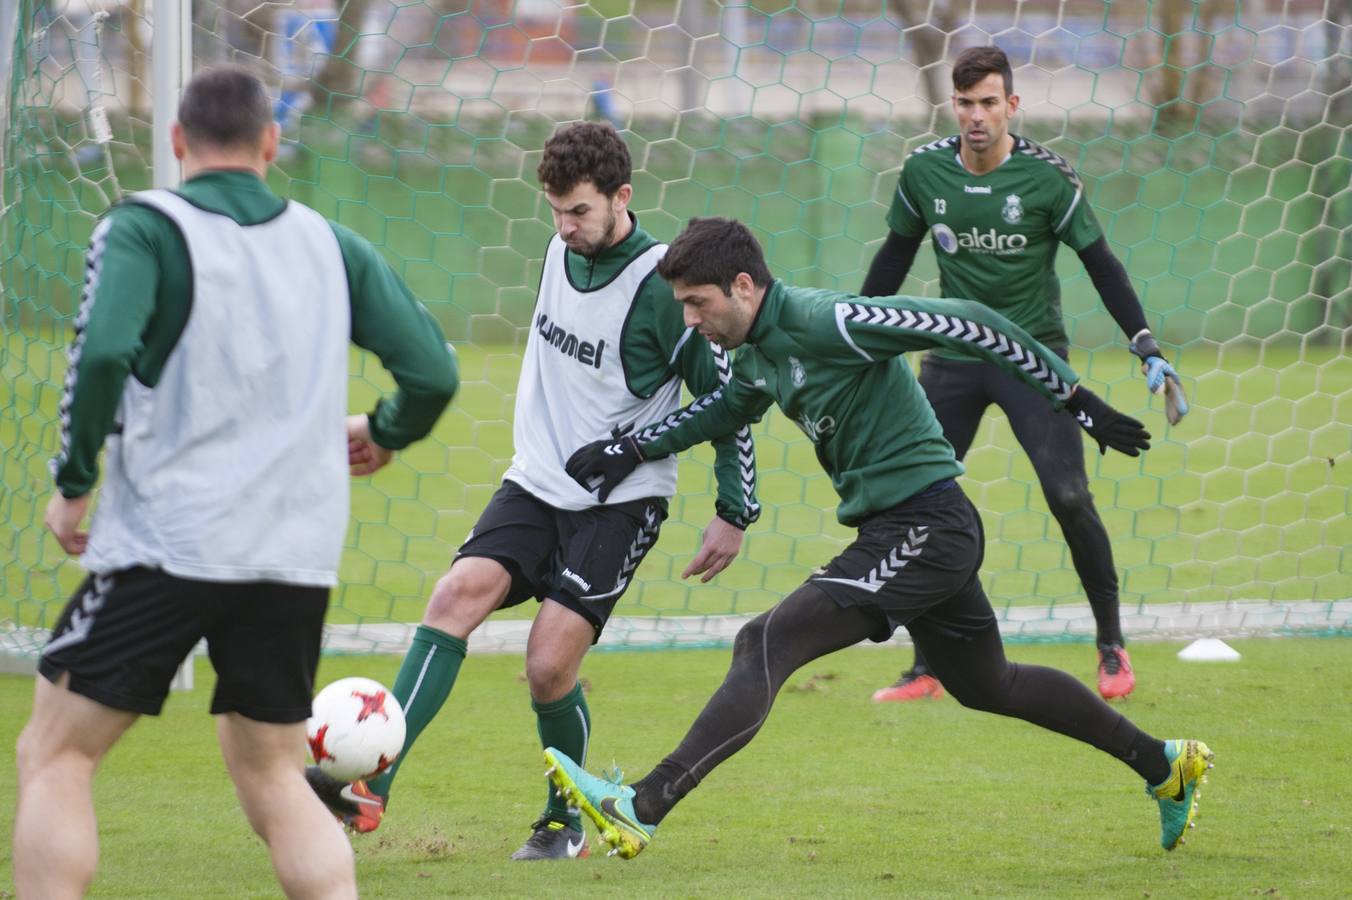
[
  {"x": 1182, "y": 83},
  {"x": 1332, "y": 180},
  {"x": 693, "y": 19},
  {"x": 132, "y": 18},
  {"x": 339, "y": 76},
  {"x": 249, "y": 24},
  {"x": 927, "y": 27}
]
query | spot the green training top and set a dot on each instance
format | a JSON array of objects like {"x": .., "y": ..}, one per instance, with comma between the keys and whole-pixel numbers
[
  {"x": 831, "y": 361},
  {"x": 142, "y": 297},
  {"x": 996, "y": 235}
]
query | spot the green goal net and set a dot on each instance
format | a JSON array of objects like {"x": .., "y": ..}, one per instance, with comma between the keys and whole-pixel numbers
[{"x": 1212, "y": 138}]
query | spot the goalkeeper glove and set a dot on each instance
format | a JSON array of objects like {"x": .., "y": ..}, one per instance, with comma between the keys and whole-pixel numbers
[
  {"x": 1160, "y": 376},
  {"x": 1106, "y": 425},
  {"x": 601, "y": 465}
]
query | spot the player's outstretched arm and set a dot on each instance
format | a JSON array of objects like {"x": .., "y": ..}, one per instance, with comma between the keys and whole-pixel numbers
[
  {"x": 602, "y": 465},
  {"x": 879, "y": 327},
  {"x": 1107, "y": 426},
  {"x": 1119, "y": 298}
]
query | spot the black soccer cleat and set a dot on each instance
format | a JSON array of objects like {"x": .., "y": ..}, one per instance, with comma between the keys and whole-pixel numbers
[{"x": 552, "y": 839}]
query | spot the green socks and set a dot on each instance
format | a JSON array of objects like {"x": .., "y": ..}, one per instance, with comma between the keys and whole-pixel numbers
[
  {"x": 565, "y": 724},
  {"x": 425, "y": 681}
]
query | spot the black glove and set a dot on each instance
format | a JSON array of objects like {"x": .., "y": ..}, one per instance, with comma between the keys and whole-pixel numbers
[
  {"x": 1106, "y": 425},
  {"x": 601, "y": 465}
]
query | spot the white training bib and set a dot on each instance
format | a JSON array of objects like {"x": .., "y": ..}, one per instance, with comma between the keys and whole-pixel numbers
[
  {"x": 234, "y": 466},
  {"x": 573, "y": 390}
]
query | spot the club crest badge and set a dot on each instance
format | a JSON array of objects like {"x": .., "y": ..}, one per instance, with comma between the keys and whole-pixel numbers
[
  {"x": 796, "y": 372},
  {"x": 1013, "y": 209}
]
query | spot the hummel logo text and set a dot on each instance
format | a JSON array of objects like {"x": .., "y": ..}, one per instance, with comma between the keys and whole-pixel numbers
[
  {"x": 569, "y": 344},
  {"x": 576, "y": 579}
]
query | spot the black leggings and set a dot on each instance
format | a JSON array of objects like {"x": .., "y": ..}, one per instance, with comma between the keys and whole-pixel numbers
[{"x": 808, "y": 624}]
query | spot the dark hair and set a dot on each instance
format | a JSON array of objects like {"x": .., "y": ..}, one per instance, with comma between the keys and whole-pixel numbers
[
  {"x": 225, "y": 106},
  {"x": 714, "y": 251},
  {"x": 975, "y": 63},
  {"x": 585, "y": 151}
]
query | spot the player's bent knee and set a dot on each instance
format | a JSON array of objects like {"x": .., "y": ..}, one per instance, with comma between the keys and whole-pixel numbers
[
  {"x": 441, "y": 603},
  {"x": 550, "y": 678},
  {"x": 28, "y": 754},
  {"x": 36, "y": 750},
  {"x": 750, "y": 638},
  {"x": 552, "y": 669},
  {"x": 1070, "y": 500},
  {"x": 986, "y": 695},
  {"x": 976, "y": 700},
  {"x": 466, "y": 595}
]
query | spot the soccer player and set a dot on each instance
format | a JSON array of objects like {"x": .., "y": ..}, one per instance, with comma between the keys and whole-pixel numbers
[
  {"x": 607, "y": 349},
  {"x": 210, "y": 357},
  {"x": 997, "y": 206},
  {"x": 831, "y": 361}
]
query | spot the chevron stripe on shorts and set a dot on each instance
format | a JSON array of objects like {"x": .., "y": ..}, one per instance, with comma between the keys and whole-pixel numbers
[{"x": 889, "y": 566}]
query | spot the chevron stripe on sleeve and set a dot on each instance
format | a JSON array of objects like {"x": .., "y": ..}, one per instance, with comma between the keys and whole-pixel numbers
[
  {"x": 956, "y": 329},
  {"x": 654, "y": 431},
  {"x": 746, "y": 448},
  {"x": 93, "y": 269},
  {"x": 1055, "y": 160},
  {"x": 945, "y": 143}
]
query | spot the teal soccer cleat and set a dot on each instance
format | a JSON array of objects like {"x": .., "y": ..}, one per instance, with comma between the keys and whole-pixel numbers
[
  {"x": 1177, "y": 795},
  {"x": 607, "y": 803}
]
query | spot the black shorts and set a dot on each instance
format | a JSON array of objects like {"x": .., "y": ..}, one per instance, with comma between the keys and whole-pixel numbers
[
  {"x": 583, "y": 559},
  {"x": 918, "y": 559},
  {"x": 123, "y": 636}
]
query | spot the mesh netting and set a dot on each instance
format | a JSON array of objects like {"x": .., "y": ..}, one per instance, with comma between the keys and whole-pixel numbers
[{"x": 1212, "y": 139}]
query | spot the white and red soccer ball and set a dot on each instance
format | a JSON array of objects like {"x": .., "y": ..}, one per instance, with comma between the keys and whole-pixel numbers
[{"x": 356, "y": 729}]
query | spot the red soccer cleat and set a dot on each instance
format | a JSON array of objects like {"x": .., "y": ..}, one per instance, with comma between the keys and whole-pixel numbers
[
  {"x": 355, "y": 805},
  {"x": 1115, "y": 677},
  {"x": 910, "y": 686}
]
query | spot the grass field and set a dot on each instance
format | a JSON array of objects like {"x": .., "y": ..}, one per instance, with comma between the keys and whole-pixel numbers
[{"x": 836, "y": 797}]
